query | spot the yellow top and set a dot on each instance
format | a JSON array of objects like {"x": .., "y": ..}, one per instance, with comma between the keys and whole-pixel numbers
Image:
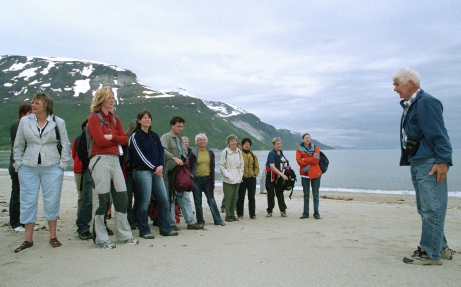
[{"x": 203, "y": 163}]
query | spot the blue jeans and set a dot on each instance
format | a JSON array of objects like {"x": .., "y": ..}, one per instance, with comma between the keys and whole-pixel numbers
[
  {"x": 14, "y": 199},
  {"x": 183, "y": 199},
  {"x": 201, "y": 184},
  {"x": 315, "y": 194},
  {"x": 131, "y": 189},
  {"x": 50, "y": 179},
  {"x": 431, "y": 202},
  {"x": 148, "y": 183},
  {"x": 85, "y": 214}
]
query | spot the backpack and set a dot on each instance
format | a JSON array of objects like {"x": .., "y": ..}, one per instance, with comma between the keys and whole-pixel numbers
[
  {"x": 183, "y": 180},
  {"x": 290, "y": 183},
  {"x": 323, "y": 162}
]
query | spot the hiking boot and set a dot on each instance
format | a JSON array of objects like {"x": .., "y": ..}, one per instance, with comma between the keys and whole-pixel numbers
[
  {"x": 131, "y": 241},
  {"x": 420, "y": 257},
  {"x": 421, "y": 261},
  {"x": 234, "y": 218},
  {"x": 106, "y": 245},
  {"x": 194, "y": 226},
  {"x": 85, "y": 235},
  {"x": 171, "y": 233},
  {"x": 175, "y": 228},
  {"x": 447, "y": 254},
  {"x": 229, "y": 219}
]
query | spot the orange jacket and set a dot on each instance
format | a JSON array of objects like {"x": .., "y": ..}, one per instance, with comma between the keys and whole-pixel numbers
[{"x": 308, "y": 161}]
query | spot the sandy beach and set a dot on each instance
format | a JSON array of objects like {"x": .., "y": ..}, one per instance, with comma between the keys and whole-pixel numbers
[{"x": 360, "y": 240}]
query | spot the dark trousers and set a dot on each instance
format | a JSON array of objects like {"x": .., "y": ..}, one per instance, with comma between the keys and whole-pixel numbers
[
  {"x": 85, "y": 214},
  {"x": 14, "y": 199},
  {"x": 273, "y": 191},
  {"x": 250, "y": 184},
  {"x": 132, "y": 190}
]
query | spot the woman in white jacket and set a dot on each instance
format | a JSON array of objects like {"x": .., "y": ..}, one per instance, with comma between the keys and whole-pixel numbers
[
  {"x": 41, "y": 153},
  {"x": 231, "y": 167}
]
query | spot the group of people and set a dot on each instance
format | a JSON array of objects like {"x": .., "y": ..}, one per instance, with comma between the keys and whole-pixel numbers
[
  {"x": 112, "y": 166},
  {"x": 41, "y": 152}
]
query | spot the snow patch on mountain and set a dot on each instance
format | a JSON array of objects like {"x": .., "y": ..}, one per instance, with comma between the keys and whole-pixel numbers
[
  {"x": 81, "y": 86},
  {"x": 26, "y": 74},
  {"x": 47, "y": 69},
  {"x": 178, "y": 92},
  {"x": 224, "y": 110}
]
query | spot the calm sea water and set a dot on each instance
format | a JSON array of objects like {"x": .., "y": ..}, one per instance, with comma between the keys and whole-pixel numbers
[{"x": 369, "y": 171}]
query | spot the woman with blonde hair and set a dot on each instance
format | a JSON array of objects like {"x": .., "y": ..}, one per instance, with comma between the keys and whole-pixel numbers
[
  {"x": 107, "y": 132},
  {"x": 41, "y": 164}
]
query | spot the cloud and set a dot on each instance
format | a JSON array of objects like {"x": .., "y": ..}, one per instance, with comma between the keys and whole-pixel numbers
[{"x": 322, "y": 67}]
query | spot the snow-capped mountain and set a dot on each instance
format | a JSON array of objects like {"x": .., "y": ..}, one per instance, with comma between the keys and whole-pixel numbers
[
  {"x": 64, "y": 77},
  {"x": 72, "y": 84}
]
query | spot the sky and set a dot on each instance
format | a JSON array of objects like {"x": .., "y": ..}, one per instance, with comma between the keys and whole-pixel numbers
[{"x": 322, "y": 67}]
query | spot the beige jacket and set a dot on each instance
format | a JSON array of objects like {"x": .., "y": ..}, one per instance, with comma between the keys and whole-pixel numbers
[{"x": 231, "y": 166}]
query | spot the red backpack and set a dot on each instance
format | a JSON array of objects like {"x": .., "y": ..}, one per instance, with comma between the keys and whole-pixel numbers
[{"x": 183, "y": 180}]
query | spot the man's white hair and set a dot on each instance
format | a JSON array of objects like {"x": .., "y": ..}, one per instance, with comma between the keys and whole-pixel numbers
[{"x": 406, "y": 74}]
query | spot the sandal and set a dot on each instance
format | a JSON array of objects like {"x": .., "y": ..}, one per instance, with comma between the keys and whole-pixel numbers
[
  {"x": 24, "y": 245},
  {"x": 148, "y": 236},
  {"x": 55, "y": 242}
]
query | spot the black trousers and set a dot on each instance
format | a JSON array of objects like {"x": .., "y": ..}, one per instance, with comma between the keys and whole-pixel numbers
[
  {"x": 272, "y": 192},
  {"x": 250, "y": 184}
]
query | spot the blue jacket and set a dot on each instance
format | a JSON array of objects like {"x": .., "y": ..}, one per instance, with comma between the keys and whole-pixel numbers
[
  {"x": 148, "y": 155},
  {"x": 424, "y": 122}
]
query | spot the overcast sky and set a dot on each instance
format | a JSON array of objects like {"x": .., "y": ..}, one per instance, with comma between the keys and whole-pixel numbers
[{"x": 322, "y": 67}]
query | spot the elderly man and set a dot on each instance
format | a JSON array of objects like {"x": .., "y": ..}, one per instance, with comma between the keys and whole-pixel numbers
[
  {"x": 175, "y": 152},
  {"x": 425, "y": 146}
]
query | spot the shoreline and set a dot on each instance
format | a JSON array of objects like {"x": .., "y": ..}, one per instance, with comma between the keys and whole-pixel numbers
[{"x": 360, "y": 240}]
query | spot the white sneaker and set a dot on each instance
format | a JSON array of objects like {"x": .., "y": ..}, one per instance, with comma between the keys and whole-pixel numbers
[
  {"x": 19, "y": 228},
  {"x": 106, "y": 245},
  {"x": 131, "y": 241}
]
